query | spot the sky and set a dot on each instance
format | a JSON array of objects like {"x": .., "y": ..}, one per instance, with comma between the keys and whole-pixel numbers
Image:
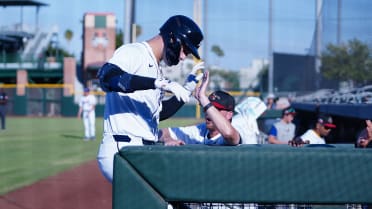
[{"x": 238, "y": 27}]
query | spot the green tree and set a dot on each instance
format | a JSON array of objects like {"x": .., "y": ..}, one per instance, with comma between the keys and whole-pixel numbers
[
  {"x": 350, "y": 62},
  {"x": 68, "y": 36},
  {"x": 218, "y": 51},
  {"x": 120, "y": 35},
  {"x": 119, "y": 38},
  {"x": 263, "y": 76},
  {"x": 51, "y": 51},
  {"x": 138, "y": 30},
  {"x": 231, "y": 77}
]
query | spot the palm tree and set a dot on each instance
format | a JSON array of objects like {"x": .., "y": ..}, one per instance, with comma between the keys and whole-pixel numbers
[
  {"x": 68, "y": 36},
  {"x": 217, "y": 51}
]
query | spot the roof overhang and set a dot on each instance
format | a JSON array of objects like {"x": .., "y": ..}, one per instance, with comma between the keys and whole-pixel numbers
[{"x": 6, "y": 3}]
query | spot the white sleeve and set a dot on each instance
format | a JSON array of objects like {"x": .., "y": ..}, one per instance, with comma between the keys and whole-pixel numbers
[
  {"x": 129, "y": 58},
  {"x": 94, "y": 100},
  {"x": 188, "y": 134},
  {"x": 306, "y": 136},
  {"x": 81, "y": 102}
]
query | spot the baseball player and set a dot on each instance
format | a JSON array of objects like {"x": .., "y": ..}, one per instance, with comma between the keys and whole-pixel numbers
[
  {"x": 3, "y": 103},
  {"x": 87, "y": 107},
  {"x": 135, "y": 87},
  {"x": 217, "y": 128},
  {"x": 284, "y": 130}
]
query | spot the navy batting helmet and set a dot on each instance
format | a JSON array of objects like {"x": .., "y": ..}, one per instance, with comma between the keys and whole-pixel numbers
[{"x": 180, "y": 31}]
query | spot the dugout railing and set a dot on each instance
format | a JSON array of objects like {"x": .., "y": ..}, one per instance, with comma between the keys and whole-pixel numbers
[{"x": 152, "y": 176}]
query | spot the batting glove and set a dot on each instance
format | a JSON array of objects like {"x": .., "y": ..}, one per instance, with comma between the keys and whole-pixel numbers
[
  {"x": 194, "y": 77},
  {"x": 179, "y": 91}
]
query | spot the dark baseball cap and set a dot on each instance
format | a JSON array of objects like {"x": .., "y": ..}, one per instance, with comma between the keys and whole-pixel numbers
[
  {"x": 222, "y": 100},
  {"x": 289, "y": 110},
  {"x": 86, "y": 90},
  {"x": 326, "y": 121}
]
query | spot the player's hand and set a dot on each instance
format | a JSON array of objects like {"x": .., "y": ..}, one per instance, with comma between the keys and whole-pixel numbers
[
  {"x": 179, "y": 91},
  {"x": 200, "y": 92},
  {"x": 363, "y": 142},
  {"x": 297, "y": 142},
  {"x": 174, "y": 142},
  {"x": 194, "y": 77}
]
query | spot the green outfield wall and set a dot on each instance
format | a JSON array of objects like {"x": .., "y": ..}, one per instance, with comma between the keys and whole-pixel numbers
[{"x": 151, "y": 176}]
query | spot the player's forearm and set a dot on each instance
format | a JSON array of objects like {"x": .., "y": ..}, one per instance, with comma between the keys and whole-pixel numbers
[
  {"x": 273, "y": 140},
  {"x": 112, "y": 78},
  {"x": 79, "y": 113},
  {"x": 224, "y": 126},
  {"x": 164, "y": 135},
  {"x": 170, "y": 107}
]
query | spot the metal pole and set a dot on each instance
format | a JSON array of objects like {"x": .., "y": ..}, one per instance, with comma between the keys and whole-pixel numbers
[
  {"x": 339, "y": 13},
  {"x": 198, "y": 15},
  {"x": 198, "y": 19},
  {"x": 134, "y": 25},
  {"x": 318, "y": 43},
  {"x": 205, "y": 31},
  {"x": 270, "y": 49},
  {"x": 128, "y": 21},
  {"x": 21, "y": 26},
  {"x": 37, "y": 19}
]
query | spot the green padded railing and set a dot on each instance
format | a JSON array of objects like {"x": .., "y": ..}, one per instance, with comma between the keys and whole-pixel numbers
[{"x": 151, "y": 176}]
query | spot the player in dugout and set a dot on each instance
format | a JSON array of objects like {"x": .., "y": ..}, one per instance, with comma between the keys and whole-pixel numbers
[
  {"x": 135, "y": 87},
  {"x": 216, "y": 130}
]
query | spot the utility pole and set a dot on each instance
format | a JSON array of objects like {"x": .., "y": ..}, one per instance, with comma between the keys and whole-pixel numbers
[
  {"x": 129, "y": 21},
  {"x": 339, "y": 13},
  {"x": 198, "y": 19},
  {"x": 318, "y": 43},
  {"x": 198, "y": 10},
  {"x": 205, "y": 31},
  {"x": 270, "y": 49}
]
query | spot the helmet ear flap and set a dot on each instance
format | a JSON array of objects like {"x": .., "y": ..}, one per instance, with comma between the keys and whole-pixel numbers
[{"x": 172, "y": 50}]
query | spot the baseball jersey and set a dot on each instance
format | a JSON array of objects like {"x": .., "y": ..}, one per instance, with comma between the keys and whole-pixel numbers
[
  {"x": 312, "y": 137},
  {"x": 137, "y": 113},
  {"x": 88, "y": 102},
  {"x": 197, "y": 134},
  {"x": 283, "y": 131}
]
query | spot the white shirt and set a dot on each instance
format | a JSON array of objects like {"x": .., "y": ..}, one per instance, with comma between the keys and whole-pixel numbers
[
  {"x": 197, "y": 134},
  {"x": 88, "y": 102},
  {"x": 134, "y": 114},
  {"x": 312, "y": 137},
  {"x": 283, "y": 131}
]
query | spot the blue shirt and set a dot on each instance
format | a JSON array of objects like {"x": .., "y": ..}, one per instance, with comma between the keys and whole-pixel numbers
[{"x": 197, "y": 134}]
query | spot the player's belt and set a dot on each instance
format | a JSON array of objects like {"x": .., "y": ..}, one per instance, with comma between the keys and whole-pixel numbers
[
  {"x": 125, "y": 138},
  {"x": 147, "y": 142}
]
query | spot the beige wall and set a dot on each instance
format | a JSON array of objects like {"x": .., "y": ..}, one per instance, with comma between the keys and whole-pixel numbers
[
  {"x": 69, "y": 75},
  {"x": 22, "y": 80},
  {"x": 99, "y": 43}
]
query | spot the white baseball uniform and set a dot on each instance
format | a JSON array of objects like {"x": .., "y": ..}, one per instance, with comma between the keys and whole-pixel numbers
[
  {"x": 312, "y": 137},
  {"x": 88, "y": 103},
  {"x": 130, "y": 117},
  {"x": 196, "y": 134}
]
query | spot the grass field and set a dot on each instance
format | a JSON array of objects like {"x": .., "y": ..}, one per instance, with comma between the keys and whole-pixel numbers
[{"x": 35, "y": 148}]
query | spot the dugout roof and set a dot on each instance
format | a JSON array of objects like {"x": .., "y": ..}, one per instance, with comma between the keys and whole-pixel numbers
[{"x": 6, "y": 3}]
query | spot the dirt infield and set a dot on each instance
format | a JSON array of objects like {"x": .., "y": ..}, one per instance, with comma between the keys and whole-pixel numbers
[{"x": 82, "y": 187}]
